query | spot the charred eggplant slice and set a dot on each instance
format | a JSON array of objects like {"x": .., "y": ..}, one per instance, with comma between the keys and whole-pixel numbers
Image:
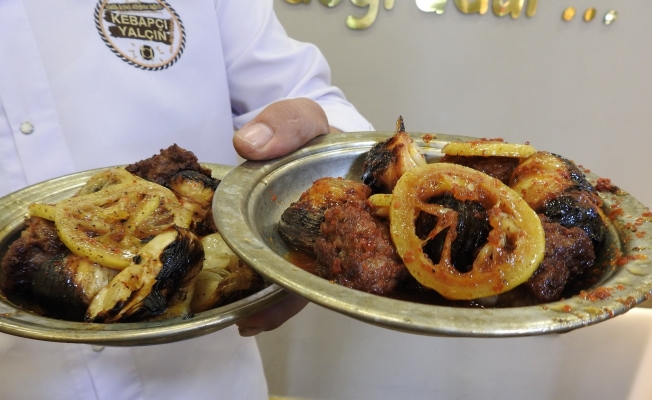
[
  {"x": 574, "y": 210},
  {"x": 300, "y": 222},
  {"x": 37, "y": 243},
  {"x": 64, "y": 286},
  {"x": 555, "y": 187},
  {"x": 160, "y": 281}
]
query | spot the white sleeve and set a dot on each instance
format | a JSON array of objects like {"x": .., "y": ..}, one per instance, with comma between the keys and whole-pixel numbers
[{"x": 264, "y": 65}]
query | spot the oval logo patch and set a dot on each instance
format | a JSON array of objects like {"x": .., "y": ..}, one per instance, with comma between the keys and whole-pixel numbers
[{"x": 147, "y": 35}]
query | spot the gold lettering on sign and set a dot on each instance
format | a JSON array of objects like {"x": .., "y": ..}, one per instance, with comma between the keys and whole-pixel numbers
[
  {"x": 589, "y": 14},
  {"x": 568, "y": 14},
  {"x": 610, "y": 17},
  {"x": 472, "y": 6},
  {"x": 436, "y": 6},
  {"x": 531, "y": 8},
  {"x": 368, "y": 19},
  {"x": 511, "y": 7},
  {"x": 500, "y": 8}
]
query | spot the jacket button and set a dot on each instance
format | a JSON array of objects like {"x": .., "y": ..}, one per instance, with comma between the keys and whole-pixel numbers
[{"x": 26, "y": 127}]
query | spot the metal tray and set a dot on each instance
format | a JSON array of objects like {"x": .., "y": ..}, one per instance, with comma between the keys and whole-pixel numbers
[
  {"x": 254, "y": 195},
  {"x": 16, "y": 321}
]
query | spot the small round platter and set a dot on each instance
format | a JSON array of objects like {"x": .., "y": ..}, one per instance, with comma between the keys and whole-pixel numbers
[
  {"x": 19, "y": 322},
  {"x": 253, "y": 196}
]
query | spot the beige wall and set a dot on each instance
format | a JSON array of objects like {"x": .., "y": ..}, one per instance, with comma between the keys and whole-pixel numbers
[{"x": 583, "y": 90}]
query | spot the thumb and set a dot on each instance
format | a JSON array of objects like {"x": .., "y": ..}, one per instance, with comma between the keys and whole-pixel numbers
[{"x": 280, "y": 128}]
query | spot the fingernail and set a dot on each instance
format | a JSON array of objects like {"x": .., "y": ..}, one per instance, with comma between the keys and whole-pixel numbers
[
  {"x": 247, "y": 332},
  {"x": 256, "y": 135}
]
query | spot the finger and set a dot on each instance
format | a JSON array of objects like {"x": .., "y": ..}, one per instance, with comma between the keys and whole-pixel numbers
[
  {"x": 280, "y": 128},
  {"x": 272, "y": 317}
]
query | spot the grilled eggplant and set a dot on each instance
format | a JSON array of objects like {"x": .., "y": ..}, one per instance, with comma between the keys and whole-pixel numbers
[
  {"x": 64, "y": 286},
  {"x": 37, "y": 243},
  {"x": 300, "y": 222},
  {"x": 555, "y": 187}
]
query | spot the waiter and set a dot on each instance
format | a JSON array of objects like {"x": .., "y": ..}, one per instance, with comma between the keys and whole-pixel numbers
[{"x": 89, "y": 84}]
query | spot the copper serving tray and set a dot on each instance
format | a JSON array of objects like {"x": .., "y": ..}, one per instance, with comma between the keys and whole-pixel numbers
[
  {"x": 16, "y": 321},
  {"x": 254, "y": 195}
]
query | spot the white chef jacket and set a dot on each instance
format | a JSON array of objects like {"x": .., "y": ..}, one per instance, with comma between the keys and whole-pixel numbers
[{"x": 88, "y": 84}]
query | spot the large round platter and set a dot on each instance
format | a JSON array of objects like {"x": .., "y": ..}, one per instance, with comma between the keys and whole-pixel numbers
[
  {"x": 253, "y": 196},
  {"x": 16, "y": 321}
]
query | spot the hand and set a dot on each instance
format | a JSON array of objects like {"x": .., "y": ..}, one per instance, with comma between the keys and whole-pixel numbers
[
  {"x": 281, "y": 128},
  {"x": 272, "y": 317}
]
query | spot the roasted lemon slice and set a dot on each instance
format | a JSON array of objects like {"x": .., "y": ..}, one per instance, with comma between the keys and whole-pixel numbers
[
  {"x": 42, "y": 210},
  {"x": 110, "y": 222},
  {"x": 515, "y": 244},
  {"x": 488, "y": 148},
  {"x": 95, "y": 183}
]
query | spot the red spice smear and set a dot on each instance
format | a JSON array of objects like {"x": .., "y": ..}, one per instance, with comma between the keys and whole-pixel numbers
[
  {"x": 409, "y": 256},
  {"x": 630, "y": 226},
  {"x": 427, "y": 138},
  {"x": 604, "y": 185},
  {"x": 498, "y": 287},
  {"x": 629, "y": 301},
  {"x": 488, "y": 140},
  {"x": 620, "y": 261},
  {"x": 601, "y": 293},
  {"x": 616, "y": 213}
]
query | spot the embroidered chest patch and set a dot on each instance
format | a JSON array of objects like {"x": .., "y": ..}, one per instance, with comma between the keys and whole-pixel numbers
[{"x": 147, "y": 35}]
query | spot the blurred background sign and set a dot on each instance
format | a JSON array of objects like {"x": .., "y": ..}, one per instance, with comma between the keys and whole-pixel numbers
[{"x": 578, "y": 87}]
